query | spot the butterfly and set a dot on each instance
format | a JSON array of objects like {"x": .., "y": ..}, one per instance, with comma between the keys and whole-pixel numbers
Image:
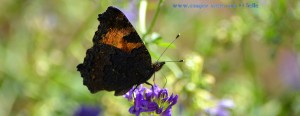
[{"x": 118, "y": 59}]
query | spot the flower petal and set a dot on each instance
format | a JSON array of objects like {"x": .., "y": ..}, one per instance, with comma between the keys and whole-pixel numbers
[
  {"x": 167, "y": 112},
  {"x": 132, "y": 110},
  {"x": 163, "y": 93},
  {"x": 155, "y": 90},
  {"x": 170, "y": 99},
  {"x": 128, "y": 95},
  {"x": 85, "y": 110},
  {"x": 174, "y": 100},
  {"x": 226, "y": 103},
  {"x": 148, "y": 106},
  {"x": 159, "y": 110}
]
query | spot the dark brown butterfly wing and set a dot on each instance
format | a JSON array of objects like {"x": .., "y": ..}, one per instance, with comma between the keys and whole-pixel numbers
[{"x": 118, "y": 59}]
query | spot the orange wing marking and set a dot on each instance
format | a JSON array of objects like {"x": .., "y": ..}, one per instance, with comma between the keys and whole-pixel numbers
[{"x": 114, "y": 37}]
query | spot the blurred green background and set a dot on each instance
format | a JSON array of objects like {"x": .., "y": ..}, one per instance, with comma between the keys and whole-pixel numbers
[{"x": 248, "y": 55}]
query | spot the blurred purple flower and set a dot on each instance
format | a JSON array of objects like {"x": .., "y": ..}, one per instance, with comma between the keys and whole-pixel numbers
[
  {"x": 289, "y": 68},
  {"x": 85, "y": 110},
  {"x": 155, "y": 100},
  {"x": 222, "y": 109},
  {"x": 131, "y": 11},
  {"x": 226, "y": 103}
]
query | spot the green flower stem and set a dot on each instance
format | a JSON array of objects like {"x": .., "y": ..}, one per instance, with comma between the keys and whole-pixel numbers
[
  {"x": 251, "y": 68},
  {"x": 154, "y": 19}
]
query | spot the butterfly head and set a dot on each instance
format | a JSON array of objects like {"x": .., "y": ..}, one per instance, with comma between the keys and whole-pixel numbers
[{"x": 157, "y": 66}]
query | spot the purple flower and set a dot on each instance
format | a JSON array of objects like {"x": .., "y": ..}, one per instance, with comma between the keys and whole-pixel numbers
[
  {"x": 130, "y": 93},
  {"x": 226, "y": 103},
  {"x": 131, "y": 11},
  {"x": 289, "y": 68},
  {"x": 154, "y": 100},
  {"x": 85, "y": 110},
  {"x": 222, "y": 108}
]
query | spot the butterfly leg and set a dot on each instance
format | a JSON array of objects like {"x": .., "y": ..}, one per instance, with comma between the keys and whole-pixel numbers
[
  {"x": 150, "y": 85},
  {"x": 154, "y": 78}
]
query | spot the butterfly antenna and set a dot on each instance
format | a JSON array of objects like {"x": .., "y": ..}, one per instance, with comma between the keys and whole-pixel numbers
[
  {"x": 164, "y": 52},
  {"x": 175, "y": 61},
  {"x": 168, "y": 47}
]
